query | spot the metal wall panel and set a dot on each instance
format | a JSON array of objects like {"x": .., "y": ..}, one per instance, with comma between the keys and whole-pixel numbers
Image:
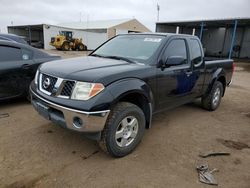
[{"x": 91, "y": 39}]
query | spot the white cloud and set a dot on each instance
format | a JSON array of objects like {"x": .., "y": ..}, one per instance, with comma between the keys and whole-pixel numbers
[{"x": 56, "y": 11}]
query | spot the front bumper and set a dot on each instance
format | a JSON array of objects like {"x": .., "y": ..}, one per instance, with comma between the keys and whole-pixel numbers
[{"x": 69, "y": 118}]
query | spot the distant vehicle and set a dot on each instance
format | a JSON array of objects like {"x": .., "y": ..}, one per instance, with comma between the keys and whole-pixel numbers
[
  {"x": 13, "y": 38},
  {"x": 65, "y": 41},
  {"x": 18, "y": 65},
  {"x": 112, "y": 94}
]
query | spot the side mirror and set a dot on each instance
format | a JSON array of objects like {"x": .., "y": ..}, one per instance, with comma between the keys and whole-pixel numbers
[{"x": 174, "y": 60}]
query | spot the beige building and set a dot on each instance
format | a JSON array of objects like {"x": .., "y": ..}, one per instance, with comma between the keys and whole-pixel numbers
[
  {"x": 110, "y": 27},
  {"x": 93, "y": 33}
]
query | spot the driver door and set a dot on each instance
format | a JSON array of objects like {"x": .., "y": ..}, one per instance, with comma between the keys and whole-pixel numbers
[{"x": 173, "y": 81}]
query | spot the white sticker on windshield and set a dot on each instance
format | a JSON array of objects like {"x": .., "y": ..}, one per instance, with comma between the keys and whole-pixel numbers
[{"x": 152, "y": 39}]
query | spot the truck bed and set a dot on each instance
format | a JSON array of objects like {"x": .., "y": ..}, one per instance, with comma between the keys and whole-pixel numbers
[{"x": 225, "y": 64}]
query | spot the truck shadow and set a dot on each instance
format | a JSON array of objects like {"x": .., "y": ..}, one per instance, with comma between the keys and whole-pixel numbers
[
  {"x": 13, "y": 102},
  {"x": 195, "y": 104}
]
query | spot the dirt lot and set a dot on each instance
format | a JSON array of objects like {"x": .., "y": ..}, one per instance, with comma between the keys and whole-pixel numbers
[
  {"x": 67, "y": 54},
  {"x": 37, "y": 153}
]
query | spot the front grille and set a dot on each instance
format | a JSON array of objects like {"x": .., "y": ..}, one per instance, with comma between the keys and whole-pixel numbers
[
  {"x": 67, "y": 89},
  {"x": 55, "y": 86},
  {"x": 48, "y": 83}
]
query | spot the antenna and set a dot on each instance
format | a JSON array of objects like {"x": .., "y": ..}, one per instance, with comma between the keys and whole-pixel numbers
[
  {"x": 158, "y": 11},
  {"x": 87, "y": 25}
]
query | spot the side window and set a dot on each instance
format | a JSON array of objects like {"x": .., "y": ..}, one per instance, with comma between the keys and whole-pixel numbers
[
  {"x": 176, "y": 47},
  {"x": 195, "y": 51},
  {"x": 8, "y": 53},
  {"x": 26, "y": 55}
]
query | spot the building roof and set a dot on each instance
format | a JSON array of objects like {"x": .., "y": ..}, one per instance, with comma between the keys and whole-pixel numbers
[
  {"x": 98, "y": 24},
  {"x": 242, "y": 21}
]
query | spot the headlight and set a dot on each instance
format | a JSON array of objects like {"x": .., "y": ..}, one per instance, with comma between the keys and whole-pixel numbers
[
  {"x": 85, "y": 91},
  {"x": 36, "y": 77}
]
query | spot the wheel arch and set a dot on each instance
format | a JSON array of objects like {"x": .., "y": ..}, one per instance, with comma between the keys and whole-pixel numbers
[
  {"x": 139, "y": 94},
  {"x": 222, "y": 79},
  {"x": 141, "y": 101},
  {"x": 218, "y": 75}
]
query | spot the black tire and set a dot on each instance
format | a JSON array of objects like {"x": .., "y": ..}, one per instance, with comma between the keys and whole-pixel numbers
[
  {"x": 81, "y": 47},
  {"x": 121, "y": 111},
  {"x": 208, "y": 101},
  {"x": 65, "y": 46}
]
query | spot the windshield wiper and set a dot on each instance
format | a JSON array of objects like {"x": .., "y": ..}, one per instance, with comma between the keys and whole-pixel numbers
[
  {"x": 114, "y": 57},
  {"x": 96, "y": 55},
  {"x": 120, "y": 58}
]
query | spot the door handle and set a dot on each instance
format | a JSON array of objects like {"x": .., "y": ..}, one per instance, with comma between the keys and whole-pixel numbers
[
  {"x": 188, "y": 73},
  {"x": 26, "y": 66}
]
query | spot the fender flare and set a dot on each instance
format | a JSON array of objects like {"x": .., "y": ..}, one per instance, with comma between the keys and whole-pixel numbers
[
  {"x": 218, "y": 74},
  {"x": 125, "y": 87}
]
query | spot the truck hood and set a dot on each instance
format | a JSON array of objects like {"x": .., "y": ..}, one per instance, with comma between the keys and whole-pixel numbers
[{"x": 93, "y": 69}]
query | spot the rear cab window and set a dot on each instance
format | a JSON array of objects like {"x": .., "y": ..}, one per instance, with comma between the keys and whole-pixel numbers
[{"x": 196, "y": 52}]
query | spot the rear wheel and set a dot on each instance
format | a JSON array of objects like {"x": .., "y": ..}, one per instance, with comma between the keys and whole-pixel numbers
[
  {"x": 124, "y": 130},
  {"x": 65, "y": 46},
  {"x": 212, "y": 100}
]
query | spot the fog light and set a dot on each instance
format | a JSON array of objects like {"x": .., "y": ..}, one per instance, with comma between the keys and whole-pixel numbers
[{"x": 77, "y": 122}]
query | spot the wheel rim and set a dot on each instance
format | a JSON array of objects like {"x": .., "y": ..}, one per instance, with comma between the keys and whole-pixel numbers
[
  {"x": 126, "y": 131},
  {"x": 81, "y": 47},
  {"x": 216, "y": 97}
]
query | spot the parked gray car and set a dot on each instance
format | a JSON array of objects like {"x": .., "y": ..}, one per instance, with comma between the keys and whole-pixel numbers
[
  {"x": 18, "y": 65},
  {"x": 13, "y": 38}
]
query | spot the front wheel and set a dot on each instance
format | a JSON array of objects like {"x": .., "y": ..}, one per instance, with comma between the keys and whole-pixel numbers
[
  {"x": 212, "y": 100},
  {"x": 65, "y": 46},
  {"x": 124, "y": 130}
]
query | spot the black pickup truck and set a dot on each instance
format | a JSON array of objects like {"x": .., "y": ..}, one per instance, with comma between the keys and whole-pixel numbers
[{"x": 112, "y": 94}]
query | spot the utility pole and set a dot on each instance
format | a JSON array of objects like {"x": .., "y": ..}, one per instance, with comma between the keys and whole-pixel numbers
[
  {"x": 158, "y": 12},
  {"x": 87, "y": 24}
]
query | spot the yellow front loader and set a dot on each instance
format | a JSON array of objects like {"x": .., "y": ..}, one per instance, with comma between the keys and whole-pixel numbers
[{"x": 65, "y": 41}]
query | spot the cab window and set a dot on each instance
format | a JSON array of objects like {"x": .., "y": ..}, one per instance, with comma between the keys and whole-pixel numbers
[{"x": 176, "y": 47}]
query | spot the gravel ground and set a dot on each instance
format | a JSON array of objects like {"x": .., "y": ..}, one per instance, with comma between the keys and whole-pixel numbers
[
  {"x": 67, "y": 54},
  {"x": 36, "y": 153}
]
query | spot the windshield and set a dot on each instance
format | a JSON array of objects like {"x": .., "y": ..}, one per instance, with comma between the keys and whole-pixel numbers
[{"x": 134, "y": 47}]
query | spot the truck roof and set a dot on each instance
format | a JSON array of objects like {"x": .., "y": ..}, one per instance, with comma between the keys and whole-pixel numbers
[{"x": 163, "y": 34}]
